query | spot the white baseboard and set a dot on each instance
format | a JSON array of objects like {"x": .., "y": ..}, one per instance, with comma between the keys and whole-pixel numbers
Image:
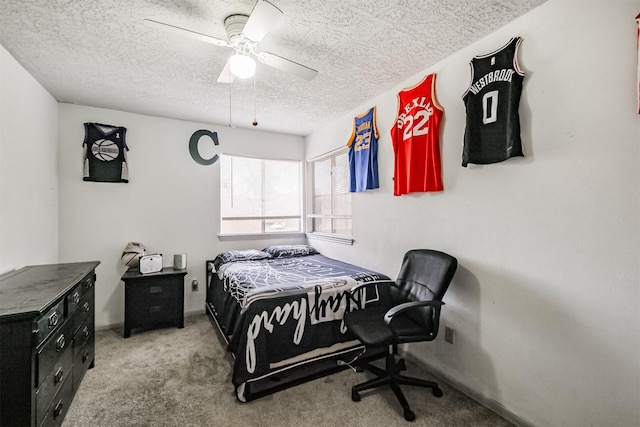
[{"x": 489, "y": 403}]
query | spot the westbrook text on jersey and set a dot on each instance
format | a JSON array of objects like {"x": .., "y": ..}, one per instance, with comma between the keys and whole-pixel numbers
[{"x": 503, "y": 75}]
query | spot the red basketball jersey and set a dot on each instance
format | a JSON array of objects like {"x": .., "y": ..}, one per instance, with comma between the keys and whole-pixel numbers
[{"x": 416, "y": 139}]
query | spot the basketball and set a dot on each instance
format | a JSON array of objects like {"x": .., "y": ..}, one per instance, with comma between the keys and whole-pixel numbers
[
  {"x": 105, "y": 150},
  {"x": 132, "y": 253}
]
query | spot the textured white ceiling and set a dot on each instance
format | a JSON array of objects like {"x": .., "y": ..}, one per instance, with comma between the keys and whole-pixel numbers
[{"x": 99, "y": 53}]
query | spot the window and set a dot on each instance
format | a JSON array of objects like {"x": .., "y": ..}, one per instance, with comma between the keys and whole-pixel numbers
[
  {"x": 259, "y": 196},
  {"x": 330, "y": 200}
]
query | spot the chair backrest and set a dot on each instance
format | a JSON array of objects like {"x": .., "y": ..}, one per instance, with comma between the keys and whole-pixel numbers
[{"x": 425, "y": 275}]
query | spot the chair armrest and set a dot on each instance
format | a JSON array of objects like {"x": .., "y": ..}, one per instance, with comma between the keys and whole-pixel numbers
[
  {"x": 373, "y": 282},
  {"x": 389, "y": 315}
]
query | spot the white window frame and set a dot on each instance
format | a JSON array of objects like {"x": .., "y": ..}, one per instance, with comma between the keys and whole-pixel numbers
[
  {"x": 264, "y": 235},
  {"x": 346, "y": 239}
]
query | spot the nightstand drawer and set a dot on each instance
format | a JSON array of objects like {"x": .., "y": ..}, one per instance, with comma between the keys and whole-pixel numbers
[{"x": 167, "y": 292}]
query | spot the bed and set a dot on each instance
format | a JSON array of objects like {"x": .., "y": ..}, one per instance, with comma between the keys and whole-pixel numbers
[{"x": 279, "y": 311}]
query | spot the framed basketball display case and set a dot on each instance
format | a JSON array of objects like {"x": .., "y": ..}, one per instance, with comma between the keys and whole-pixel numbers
[
  {"x": 492, "y": 132},
  {"x": 105, "y": 150}
]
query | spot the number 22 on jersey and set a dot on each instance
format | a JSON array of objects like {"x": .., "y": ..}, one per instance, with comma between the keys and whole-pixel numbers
[{"x": 421, "y": 125}]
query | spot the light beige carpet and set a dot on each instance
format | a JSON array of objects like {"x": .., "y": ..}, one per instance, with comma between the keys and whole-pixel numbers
[{"x": 182, "y": 377}]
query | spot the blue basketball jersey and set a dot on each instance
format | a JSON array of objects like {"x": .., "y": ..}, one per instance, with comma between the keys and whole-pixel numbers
[{"x": 363, "y": 153}]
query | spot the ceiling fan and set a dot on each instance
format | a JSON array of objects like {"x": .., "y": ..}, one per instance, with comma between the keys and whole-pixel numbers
[{"x": 244, "y": 33}]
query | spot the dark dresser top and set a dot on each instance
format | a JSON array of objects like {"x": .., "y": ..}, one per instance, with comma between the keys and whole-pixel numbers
[{"x": 31, "y": 290}]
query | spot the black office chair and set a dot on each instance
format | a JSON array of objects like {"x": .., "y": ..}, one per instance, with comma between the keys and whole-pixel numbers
[{"x": 413, "y": 315}]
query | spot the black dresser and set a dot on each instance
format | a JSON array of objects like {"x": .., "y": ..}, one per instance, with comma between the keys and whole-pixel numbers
[{"x": 46, "y": 340}]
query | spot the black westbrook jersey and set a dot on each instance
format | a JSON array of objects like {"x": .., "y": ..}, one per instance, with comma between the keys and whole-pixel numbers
[
  {"x": 492, "y": 132},
  {"x": 104, "y": 155}
]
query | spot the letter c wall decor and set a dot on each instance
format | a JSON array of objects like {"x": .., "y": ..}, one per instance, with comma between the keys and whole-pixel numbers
[{"x": 193, "y": 146}]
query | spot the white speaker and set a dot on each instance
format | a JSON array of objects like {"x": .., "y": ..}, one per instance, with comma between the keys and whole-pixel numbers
[{"x": 180, "y": 261}]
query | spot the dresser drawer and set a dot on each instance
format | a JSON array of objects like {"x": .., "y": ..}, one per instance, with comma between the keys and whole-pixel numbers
[
  {"x": 82, "y": 336},
  {"x": 52, "y": 384},
  {"x": 78, "y": 293},
  {"x": 83, "y": 360},
  {"x": 73, "y": 299},
  {"x": 48, "y": 322},
  {"x": 53, "y": 350},
  {"x": 84, "y": 310},
  {"x": 59, "y": 406},
  {"x": 87, "y": 282}
]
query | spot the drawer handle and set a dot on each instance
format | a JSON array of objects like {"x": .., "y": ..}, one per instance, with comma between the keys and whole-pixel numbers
[
  {"x": 85, "y": 356},
  {"x": 76, "y": 298},
  {"x": 155, "y": 289},
  {"x": 58, "y": 409},
  {"x": 86, "y": 307},
  {"x": 89, "y": 282},
  {"x": 58, "y": 376},
  {"x": 54, "y": 318},
  {"x": 60, "y": 343},
  {"x": 85, "y": 332}
]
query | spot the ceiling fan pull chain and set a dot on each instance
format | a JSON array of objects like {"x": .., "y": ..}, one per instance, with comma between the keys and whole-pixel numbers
[
  {"x": 229, "y": 124},
  {"x": 255, "y": 120}
]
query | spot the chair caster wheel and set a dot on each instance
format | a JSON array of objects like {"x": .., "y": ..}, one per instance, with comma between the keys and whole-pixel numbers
[
  {"x": 355, "y": 396},
  {"x": 359, "y": 369},
  {"x": 409, "y": 415},
  {"x": 437, "y": 392}
]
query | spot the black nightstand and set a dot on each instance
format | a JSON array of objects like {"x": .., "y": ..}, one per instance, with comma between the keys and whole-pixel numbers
[{"x": 153, "y": 300}]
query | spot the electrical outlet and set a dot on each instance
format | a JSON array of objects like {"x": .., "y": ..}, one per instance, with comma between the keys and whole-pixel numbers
[
  {"x": 194, "y": 285},
  {"x": 449, "y": 334}
]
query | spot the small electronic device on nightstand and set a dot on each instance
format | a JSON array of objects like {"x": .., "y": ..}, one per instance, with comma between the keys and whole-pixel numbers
[{"x": 150, "y": 263}]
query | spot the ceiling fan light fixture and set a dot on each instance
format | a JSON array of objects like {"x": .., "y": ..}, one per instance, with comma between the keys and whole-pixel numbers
[{"x": 242, "y": 66}]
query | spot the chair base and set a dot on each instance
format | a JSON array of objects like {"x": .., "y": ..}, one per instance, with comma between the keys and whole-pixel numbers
[{"x": 391, "y": 376}]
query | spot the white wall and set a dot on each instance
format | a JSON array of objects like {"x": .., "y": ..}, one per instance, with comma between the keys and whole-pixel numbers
[
  {"x": 28, "y": 173},
  {"x": 545, "y": 300},
  {"x": 171, "y": 203}
]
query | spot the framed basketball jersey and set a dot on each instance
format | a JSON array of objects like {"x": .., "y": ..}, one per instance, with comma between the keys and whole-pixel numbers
[
  {"x": 363, "y": 153},
  {"x": 105, "y": 150},
  {"x": 416, "y": 139},
  {"x": 492, "y": 132}
]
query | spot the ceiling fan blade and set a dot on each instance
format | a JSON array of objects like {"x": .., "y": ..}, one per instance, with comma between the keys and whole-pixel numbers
[
  {"x": 263, "y": 18},
  {"x": 226, "y": 76},
  {"x": 185, "y": 33},
  {"x": 287, "y": 65}
]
